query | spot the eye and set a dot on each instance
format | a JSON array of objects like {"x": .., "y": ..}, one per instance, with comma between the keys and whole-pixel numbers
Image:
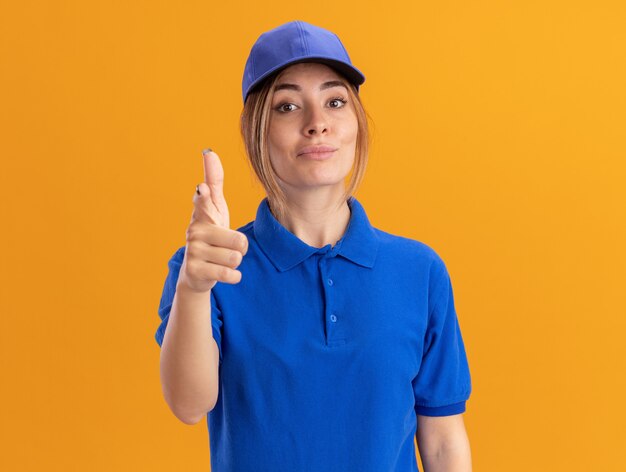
[
  {"x": 342, "y": 102},
  {"x": 282, "y": 108}
]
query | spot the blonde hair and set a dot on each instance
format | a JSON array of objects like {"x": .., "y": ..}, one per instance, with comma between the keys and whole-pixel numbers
[{"x": 254, "y": 130}]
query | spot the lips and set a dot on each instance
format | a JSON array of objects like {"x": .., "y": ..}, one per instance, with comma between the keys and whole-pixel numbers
[{"x": 316, "y": 149}]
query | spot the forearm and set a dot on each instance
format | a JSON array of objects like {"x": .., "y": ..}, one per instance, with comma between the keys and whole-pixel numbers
[{"x": 189, "y": 356}]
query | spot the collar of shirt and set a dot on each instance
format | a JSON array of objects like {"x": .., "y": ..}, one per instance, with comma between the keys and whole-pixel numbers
[{"x": 285, "y": 250}]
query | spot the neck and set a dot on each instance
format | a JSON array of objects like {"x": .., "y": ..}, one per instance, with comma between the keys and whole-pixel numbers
[{"x": 317, "y": 218}]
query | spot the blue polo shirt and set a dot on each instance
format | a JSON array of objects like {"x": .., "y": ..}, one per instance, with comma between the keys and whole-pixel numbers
[{"x": 328, "y": 354}]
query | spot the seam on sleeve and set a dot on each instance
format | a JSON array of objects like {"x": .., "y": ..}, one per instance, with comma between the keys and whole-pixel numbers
[
  {"x": 444, "y": 410},
  {"x": 464, "y": 396},
  {"x": 439, "y": 289}
]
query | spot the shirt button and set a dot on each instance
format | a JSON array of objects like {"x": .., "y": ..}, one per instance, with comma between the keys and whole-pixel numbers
[
  {"x": 330, "y": 281},
  {"x": 333, "y": 318}
]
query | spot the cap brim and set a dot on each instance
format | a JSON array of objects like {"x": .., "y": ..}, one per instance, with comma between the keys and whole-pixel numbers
[{"x": 351, "y": 73}]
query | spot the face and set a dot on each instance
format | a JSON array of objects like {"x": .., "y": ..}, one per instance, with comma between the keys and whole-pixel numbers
[{"x": 312, "y": 129}]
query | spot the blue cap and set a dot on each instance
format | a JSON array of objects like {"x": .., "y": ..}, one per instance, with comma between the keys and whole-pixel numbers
[{"x": 296, "y": 41}]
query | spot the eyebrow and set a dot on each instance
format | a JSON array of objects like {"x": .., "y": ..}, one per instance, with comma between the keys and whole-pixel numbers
[{"x": 297, "y": 88}]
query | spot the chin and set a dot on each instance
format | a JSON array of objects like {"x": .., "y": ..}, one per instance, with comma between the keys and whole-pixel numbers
[
  {"x": 323, "y": 182},
  {"x": 317, "y": 175},
  {"x": 309, "y": 181}
]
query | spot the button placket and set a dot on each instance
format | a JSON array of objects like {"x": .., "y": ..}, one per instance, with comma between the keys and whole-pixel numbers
[{"x": 330, "y": 316}]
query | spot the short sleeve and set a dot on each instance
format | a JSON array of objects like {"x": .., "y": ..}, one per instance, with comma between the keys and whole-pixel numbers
[
  {"x": 443, "y": 383},
  {"x": 167, "y": 298}
]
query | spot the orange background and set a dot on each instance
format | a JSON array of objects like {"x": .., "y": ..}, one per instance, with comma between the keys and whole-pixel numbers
[{"x": 498, "y": 140}]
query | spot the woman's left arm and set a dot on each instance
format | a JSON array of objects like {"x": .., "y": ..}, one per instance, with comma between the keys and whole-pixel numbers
[{"x": 443, "y": 444}]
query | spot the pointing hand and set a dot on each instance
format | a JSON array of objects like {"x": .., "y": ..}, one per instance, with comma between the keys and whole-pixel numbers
[{"x": 213, "y": 250}]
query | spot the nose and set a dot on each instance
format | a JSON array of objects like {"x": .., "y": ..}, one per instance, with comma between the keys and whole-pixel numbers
[{"x": 317, "y": 122}]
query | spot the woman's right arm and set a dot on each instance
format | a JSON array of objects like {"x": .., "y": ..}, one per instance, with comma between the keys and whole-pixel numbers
[{"x": 189, "y": 354}]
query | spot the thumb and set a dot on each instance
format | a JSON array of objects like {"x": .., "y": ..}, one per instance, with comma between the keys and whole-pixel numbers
[{"x": 214, "y": 178}]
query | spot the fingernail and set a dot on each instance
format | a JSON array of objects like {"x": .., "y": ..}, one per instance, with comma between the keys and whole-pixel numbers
[{"x": 207, "y": 150}]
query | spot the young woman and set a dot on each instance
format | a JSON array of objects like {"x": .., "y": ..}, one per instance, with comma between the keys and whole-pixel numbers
[{"x": 314, "y": 341}]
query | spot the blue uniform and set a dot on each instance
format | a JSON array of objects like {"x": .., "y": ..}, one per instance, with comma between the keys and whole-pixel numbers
[{"x": 328, "y": 354}]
